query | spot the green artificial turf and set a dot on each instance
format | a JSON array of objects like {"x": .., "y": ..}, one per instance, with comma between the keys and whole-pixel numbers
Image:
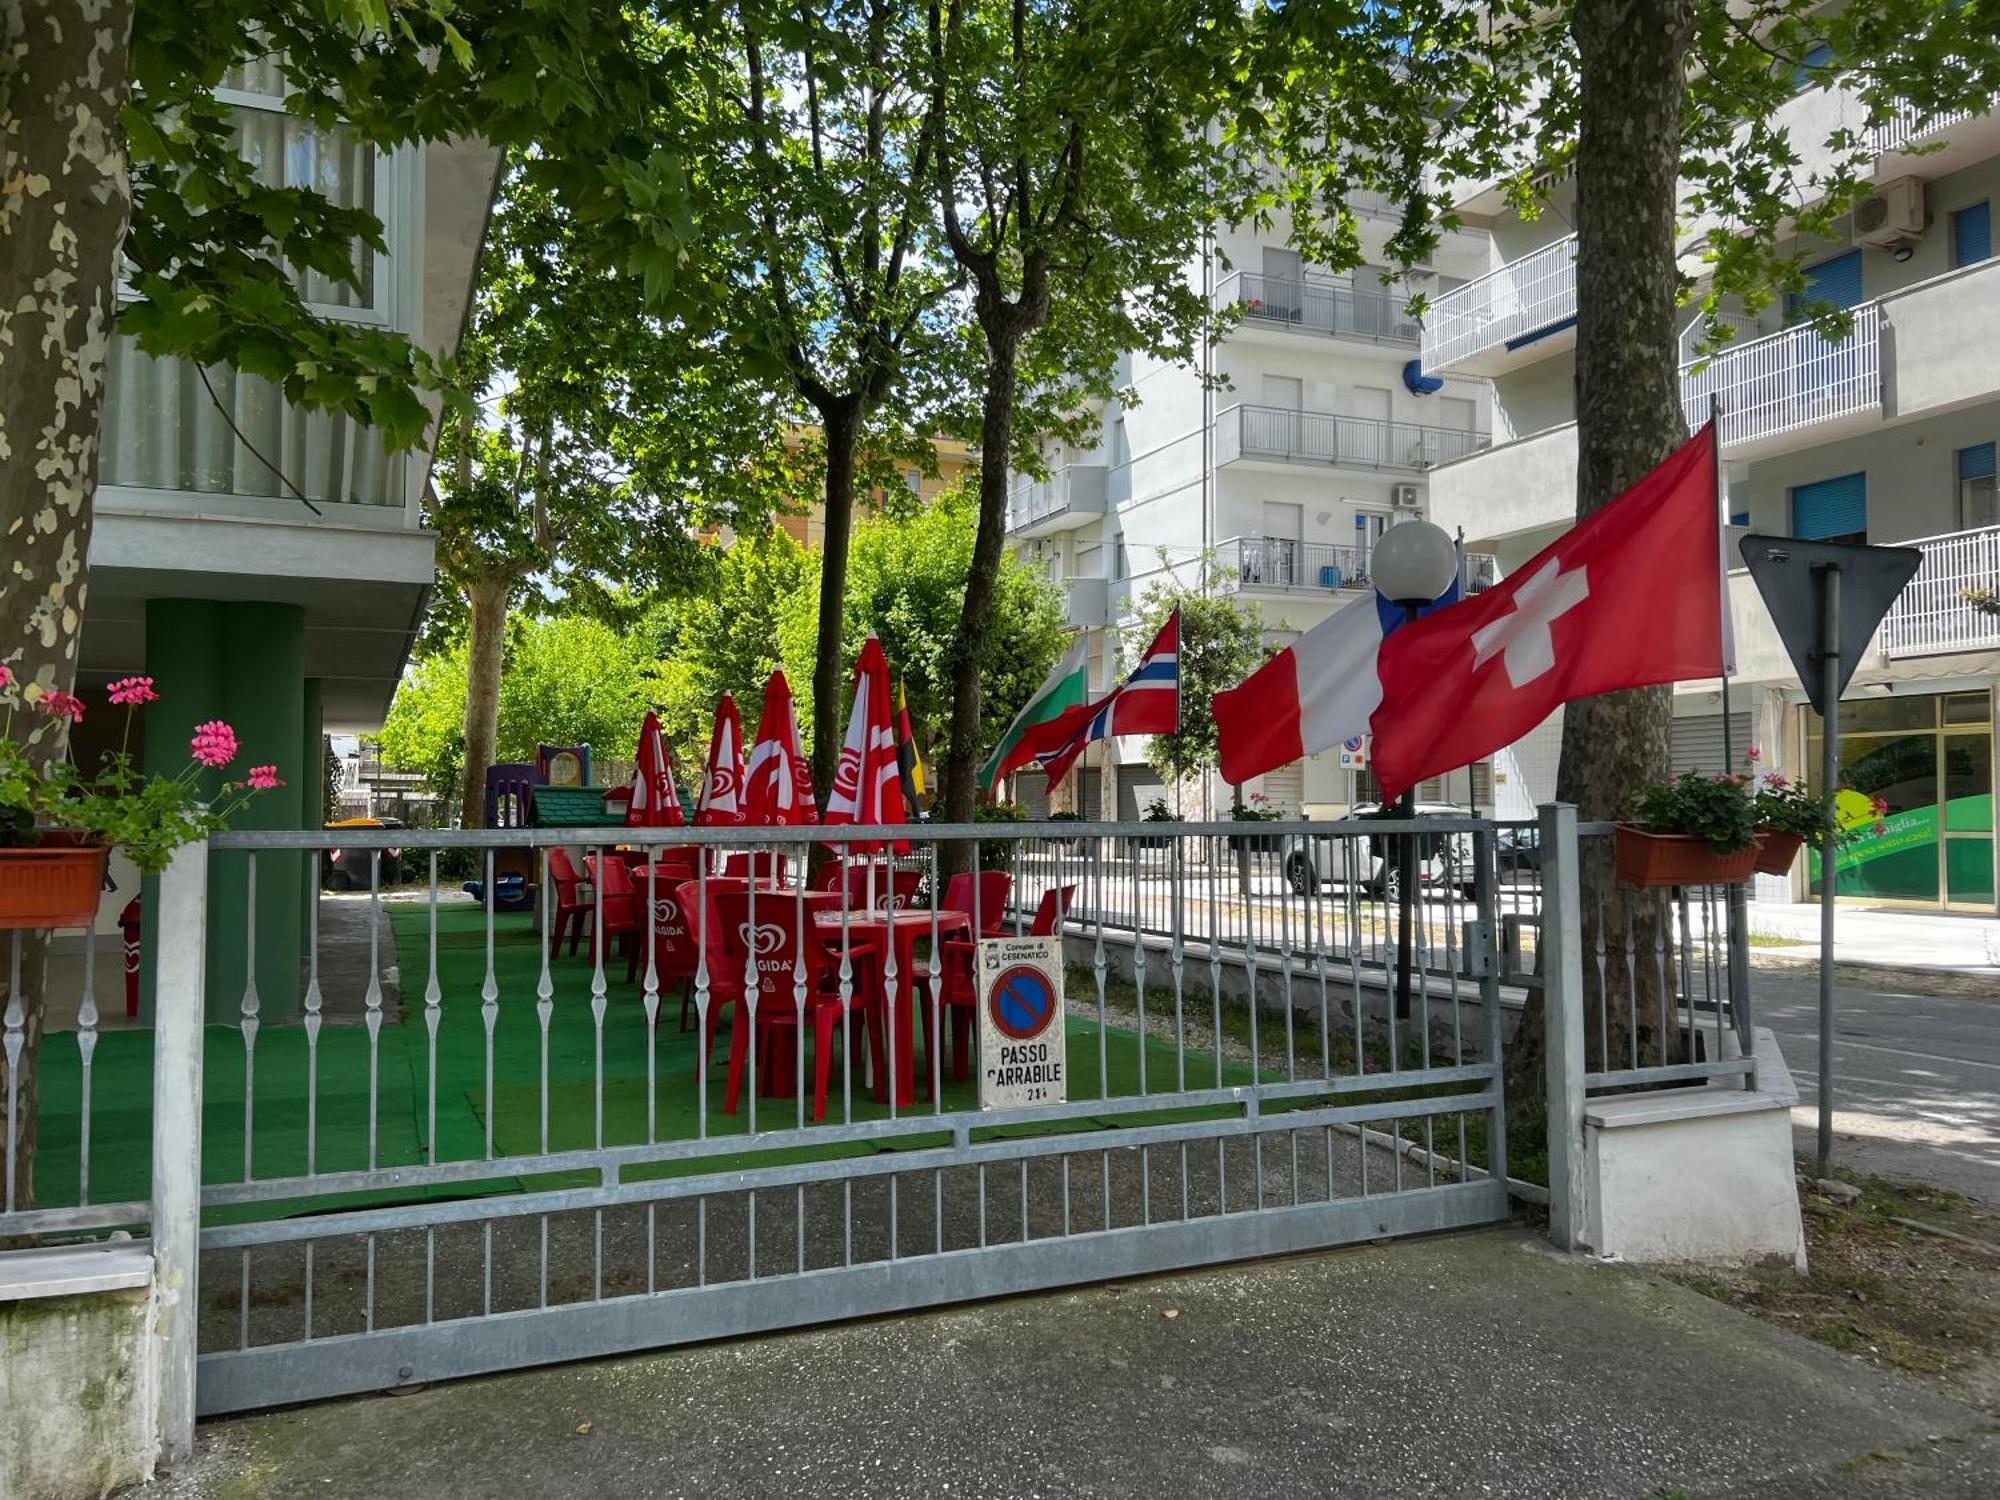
[{"x": 121, "y": 1105}]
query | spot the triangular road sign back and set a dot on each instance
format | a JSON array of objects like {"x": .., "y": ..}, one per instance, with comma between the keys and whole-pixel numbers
[{"x": 1789, "y": 575}]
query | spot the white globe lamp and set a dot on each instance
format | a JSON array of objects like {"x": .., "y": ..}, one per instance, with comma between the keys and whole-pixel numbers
[{"x": 1413, "y": 563}]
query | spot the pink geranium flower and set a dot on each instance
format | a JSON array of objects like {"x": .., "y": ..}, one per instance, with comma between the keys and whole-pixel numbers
[
  {"x": 263, "y": 778},
  {"x": 60, "y": 705},
  {"x": 214, "y": 744},
  {"x": 129, "y": 692},
  {"x": 6, "y": 675}
]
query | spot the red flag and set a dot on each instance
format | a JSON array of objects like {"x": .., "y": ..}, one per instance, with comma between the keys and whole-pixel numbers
[
  {"x": 1631, "y": 596},
  {"x": 779, "y": 791}
]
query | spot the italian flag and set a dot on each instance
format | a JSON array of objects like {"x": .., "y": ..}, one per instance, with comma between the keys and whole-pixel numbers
[{"x": 1062, "y": 689}]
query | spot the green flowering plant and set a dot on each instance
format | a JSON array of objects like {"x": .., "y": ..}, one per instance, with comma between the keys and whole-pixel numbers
[
  {"x": 1785, "y": 806},
  {"x": 147, "y": 816},
  {"x": 1717, "y": 809}
]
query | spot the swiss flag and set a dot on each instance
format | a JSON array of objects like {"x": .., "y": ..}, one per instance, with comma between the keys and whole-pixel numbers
[{"x": 1631, "y": 596}]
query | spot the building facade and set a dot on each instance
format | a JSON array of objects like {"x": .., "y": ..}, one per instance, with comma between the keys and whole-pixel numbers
[
  {"x": 1295, "y": 439},
  {"x": 266, "y": 565},
  {"x": 1887, "y": 435}
]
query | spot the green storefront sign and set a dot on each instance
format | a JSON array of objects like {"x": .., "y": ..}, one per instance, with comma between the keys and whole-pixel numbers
[{"x": 1896, "y": 857}]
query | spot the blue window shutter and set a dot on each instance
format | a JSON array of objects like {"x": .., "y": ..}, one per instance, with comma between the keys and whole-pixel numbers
[
  {"x": 1803, "y": 70},
  {"x": 1739, "y": 518},
  {"x": 1831, "y": 508},
  {"x": 1972, "y": 235},
  {"x": 1976, "y": 462}
]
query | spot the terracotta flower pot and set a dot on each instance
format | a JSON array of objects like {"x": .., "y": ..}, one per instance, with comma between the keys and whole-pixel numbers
[
  {"x": 1656, "y": 859},
  {"x": 1776, "y": 851},
  {"x": 55, "y": 885}
]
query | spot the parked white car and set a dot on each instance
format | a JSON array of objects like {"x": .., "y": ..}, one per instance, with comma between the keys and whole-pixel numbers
[{"x": 1316, "y": 859}]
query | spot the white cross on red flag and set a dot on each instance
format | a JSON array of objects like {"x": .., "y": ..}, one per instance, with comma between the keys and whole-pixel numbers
[{"x": 1631, "y": 596}]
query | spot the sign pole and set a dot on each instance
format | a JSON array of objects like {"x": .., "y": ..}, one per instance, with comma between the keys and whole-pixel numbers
[
  {"x": 1736, "y": 936},
  {"x": 1829, "y": 775}
]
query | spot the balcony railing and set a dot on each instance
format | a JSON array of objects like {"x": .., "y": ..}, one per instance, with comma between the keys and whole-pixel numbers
[
  {"x": 1931, "y": 615},
  {"x": 1523, "y": 297},
  {"x": 1909, "y": 124},
  {"x": 1347, "y": 442},
  {"x": 1074, "y": 490},
  {"x": 1274, "y": 562},
  {"x": 1338, "y": 307},
  {"x": 1788, "y": 380}
]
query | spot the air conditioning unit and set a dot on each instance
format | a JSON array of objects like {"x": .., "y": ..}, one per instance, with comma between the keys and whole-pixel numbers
[
  {"x": 1893, "y": 215},
  {"x": 1404, "y": 497}
]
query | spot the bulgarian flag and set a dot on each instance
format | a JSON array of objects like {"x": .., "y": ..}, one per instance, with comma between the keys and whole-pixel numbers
[{"x": 1062, "y": 689}]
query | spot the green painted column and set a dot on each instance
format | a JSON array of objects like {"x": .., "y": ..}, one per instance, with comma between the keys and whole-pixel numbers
[
  {"x": 263, "y": 699},
  {"x": 184, "y": 659},
  {"x": 312, "y": 788},
  {"x": 243, "y": 664}
]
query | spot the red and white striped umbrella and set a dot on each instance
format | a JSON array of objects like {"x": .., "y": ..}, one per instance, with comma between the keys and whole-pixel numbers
[
  {"x": 655, "y": 803},
  {"x": 721, "y": 801},
  {"x": 869, "y": 787},
  {"x": 778, "y": 791}
]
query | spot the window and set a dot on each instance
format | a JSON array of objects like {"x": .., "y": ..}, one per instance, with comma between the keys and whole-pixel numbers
[
  {"x": 914, "y": 478},
  {"x": 1978, "y": 504},
  {"x": 1831, "y": 510},
  {"x": 1972, "y": 235},
  {"x": 1837, "y": 281},
  {"x": 1813, "y": 62}
]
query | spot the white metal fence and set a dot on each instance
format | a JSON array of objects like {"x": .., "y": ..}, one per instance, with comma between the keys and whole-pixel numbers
[
  {"x": 1932, "y": 613},
  {"x": 1341, "y": 307},
  {"x": 1790, "y": 379},
  {"x": 1347, "y": 442},
  {"x": 1522, "y": 297}
]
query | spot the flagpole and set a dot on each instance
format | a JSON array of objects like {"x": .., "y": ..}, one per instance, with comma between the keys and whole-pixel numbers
[{"x": 1737, "y": 938}]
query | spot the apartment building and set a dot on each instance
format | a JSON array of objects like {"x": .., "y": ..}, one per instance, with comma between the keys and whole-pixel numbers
[
  {"x": 1320, "y": 432},
  {"x": 266, "y": 565},
  {"x": 1887, "y": 435}
]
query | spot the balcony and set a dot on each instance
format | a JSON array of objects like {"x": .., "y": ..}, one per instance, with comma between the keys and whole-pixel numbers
[
  {"x": 1072, "y": 496},
  {"x": 1285, "y": 565},
  {"x": 1931, "y": 616},
  {"x": 1785, "y": 381},
  {"x": 1281, "y": 435},
  {"x": 1338, "y": 308},
  {"x": 1507, "y": 317},
  {"x": 1086, "y": 603}
]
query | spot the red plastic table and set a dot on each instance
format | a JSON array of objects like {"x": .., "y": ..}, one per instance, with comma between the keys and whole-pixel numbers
[{"x": 907, "y": 927}]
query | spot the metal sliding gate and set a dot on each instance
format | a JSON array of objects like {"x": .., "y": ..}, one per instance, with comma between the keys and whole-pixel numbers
[{"x": 477, "y": 1150}]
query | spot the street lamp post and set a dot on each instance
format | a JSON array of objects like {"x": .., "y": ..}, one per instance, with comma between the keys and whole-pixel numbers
[{"x": 1413, "y": 564}]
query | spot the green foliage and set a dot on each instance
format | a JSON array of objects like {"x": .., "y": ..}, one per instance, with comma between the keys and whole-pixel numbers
[
  {"x": 567, "y": 681},
  {"x": 1222, "y": 642},
  {"x": 1785, "y": 806},
  {"x": 1986, "y": 601},
  {"x": 906, "y": 582},
  {"x": 1716, "y": 808}
]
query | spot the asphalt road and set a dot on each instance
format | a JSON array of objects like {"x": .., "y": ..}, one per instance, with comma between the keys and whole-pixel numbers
[{"x": 1916, "y": 1085}]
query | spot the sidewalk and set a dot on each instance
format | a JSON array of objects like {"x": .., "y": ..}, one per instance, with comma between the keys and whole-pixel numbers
[
  {"x": 1885, "y": 938},
  {"x": 1479, "y": 1364}
]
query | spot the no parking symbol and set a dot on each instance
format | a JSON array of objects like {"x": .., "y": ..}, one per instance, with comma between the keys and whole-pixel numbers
[{"x": 1021, "y": 1054}]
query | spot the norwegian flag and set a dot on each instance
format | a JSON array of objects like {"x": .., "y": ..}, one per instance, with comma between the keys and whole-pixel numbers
[
  {"x": 868, "y": 788},
  {"x": 778, "y": 790},
  {"x": 722, "y": 782},
  {"x": 1146, "y": 702}
]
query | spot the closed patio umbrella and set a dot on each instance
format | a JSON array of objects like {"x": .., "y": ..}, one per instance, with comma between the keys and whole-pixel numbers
[
  {"x": 655, "y": 803},
  {"x": 778, "y": 791},
  {"x": 869, "y": 785},
  {"x": 721, "y": 803}
]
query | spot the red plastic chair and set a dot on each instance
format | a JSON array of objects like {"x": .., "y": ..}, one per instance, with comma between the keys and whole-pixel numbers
[
  {"x": 618, "y": 901},
  {"x": 992, "y": 888},
  {"x": 787, "y": 946},
  {"x": 570, "y": 909},
  {"x": 763, "y": 864},
  {"x": 896, "y": 889},
  {"x": 674, "y": 948},
  {"x": 958, "y": 995}
]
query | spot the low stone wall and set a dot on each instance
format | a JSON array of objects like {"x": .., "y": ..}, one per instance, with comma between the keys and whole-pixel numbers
[
  {"x": 1696, "y": 1174},
  {"x": 78, "y": 1372}
]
